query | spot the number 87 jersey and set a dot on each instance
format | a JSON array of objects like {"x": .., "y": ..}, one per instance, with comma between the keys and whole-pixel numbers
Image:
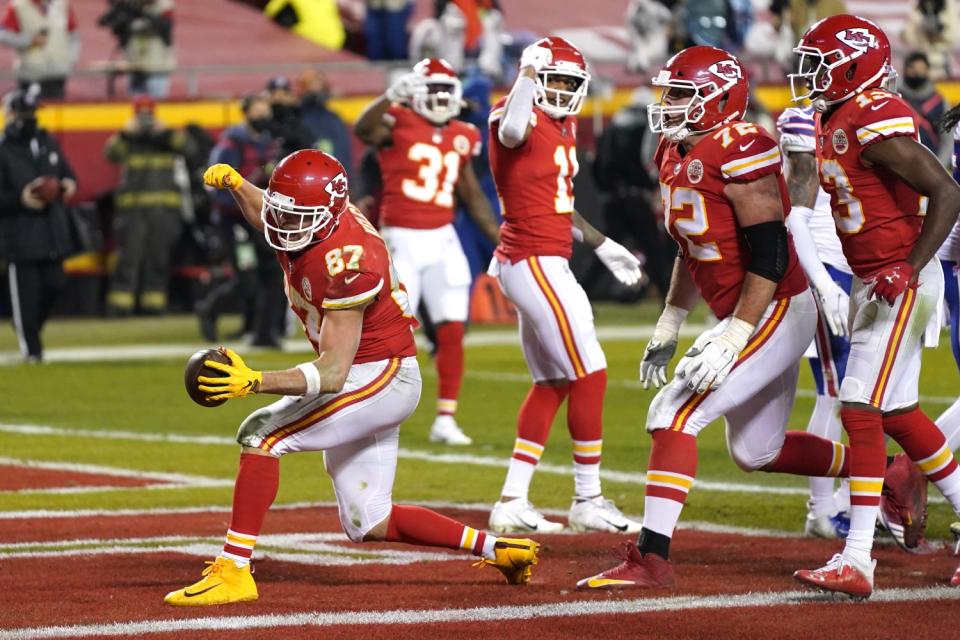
[{"x": 701, "y": 219}]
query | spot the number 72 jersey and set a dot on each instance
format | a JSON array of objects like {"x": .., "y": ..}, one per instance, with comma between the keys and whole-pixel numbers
[{"x": 702, "y": 220}]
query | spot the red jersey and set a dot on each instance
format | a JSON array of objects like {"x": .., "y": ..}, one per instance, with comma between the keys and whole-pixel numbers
[
  {"x": 420, "y": 169},
  {"x": 348, "y": 269},
  {"x": 702, "y": 220},
  {"x": 535, "y": 185},
  {"x": 878, "y": 215}
]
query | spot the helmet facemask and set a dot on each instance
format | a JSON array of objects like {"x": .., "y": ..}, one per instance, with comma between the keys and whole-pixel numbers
[
  {"x": 441, "y": 100},
  {"x": 659, "y": 114},
  {"x": 291, "y": 227},
  {"x": 559, "y": 103},
  {"x": 815, "y": 71}
]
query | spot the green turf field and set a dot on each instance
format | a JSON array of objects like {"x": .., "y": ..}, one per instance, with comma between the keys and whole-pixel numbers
[{"x": 147, "y": 397}]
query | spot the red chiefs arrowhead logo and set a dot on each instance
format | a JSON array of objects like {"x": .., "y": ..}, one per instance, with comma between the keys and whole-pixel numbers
[
  {"x": 337, "y": 188},
  {"x": 858, "y": 38},
  {"x": 727, "y": 69}
]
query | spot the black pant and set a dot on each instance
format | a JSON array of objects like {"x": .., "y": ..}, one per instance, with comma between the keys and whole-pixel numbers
[{"x": 34, "y": 287}]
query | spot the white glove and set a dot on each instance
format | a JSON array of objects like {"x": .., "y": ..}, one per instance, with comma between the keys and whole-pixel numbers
[
  {"x": 835, "y": 304},
  {"x": 405, "y": 87},
  {"x": 662, "y": 346},
  {"x": 536, "y": 56},
  {"x": 707, "y": 364},
  {"x": 622, "y": 264}
]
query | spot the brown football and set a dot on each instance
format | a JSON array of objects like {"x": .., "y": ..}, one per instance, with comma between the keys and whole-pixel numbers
[
  {"x": 195, "y": 368},
  {"x": 47, "y": 189}
]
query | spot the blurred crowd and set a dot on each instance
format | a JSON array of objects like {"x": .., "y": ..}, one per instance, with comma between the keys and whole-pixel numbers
[{"x": 180, "y": 247}]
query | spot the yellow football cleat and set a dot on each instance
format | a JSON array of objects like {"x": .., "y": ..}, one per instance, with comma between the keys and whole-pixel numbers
[
  {"x": 222, "y": 583},
  {"x": 515, "y": 558}
]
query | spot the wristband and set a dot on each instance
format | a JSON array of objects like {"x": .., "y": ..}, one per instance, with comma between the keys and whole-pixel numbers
[
  {"x": 312, "y": 376},
  {"x": 668, "y": 326},
  {"x": 737, "y": 333}
]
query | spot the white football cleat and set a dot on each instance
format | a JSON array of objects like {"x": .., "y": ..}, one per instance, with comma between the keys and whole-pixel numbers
[
  {"x": 446, "y": 430},
  {"x": 600, "y": 514},
  {"x": 519, "y": 516}
]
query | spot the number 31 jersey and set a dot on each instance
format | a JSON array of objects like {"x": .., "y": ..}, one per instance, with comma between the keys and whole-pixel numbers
[
  {"x": 878, "y": 215},
  {"x": 535, "y": 185},
  {"x": 350, "y": 268},
  {"x": 701, "y": 219},
  {"x": 421, "y": 167}
]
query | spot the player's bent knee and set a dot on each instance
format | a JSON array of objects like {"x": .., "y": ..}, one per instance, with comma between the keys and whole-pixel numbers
[
  {"x": 853, "y": 391},
  {"x": 751, "y": 461},
  {"x": 364, "y": 521},
  {"x": 250, "y": 429}
]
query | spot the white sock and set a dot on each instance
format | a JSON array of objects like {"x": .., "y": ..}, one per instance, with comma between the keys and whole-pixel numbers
[
  {"x": 863, "y": 521},
  {"x": 488, "y": 545},
  {"x": 519, "y": 475},
  {"x": 949, "y": 424},
  {"x": 586, "y": 480}
]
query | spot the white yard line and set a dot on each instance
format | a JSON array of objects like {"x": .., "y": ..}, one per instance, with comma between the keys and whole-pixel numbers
[
  {"x": 376, "y": 619},
  {"x": 625, "y": 477},
  {"x": 169, "y": 480}
]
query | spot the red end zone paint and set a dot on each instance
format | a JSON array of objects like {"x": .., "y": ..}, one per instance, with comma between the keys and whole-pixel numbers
[{"x": 16, "y": 478}]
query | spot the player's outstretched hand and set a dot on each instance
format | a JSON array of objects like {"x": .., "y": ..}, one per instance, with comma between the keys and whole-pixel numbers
[
  {"x": 239, "y": 381},
  {"x": 836, "y": 307},
  {"x": 622, "y": 264},
  {"x": 222, "y": 176},
  {"x": 890, "y": 282},
  {"x": 536, "y": 57},
  {"x": 656, "y": 357},
  {"x": 405, "y": 87}
]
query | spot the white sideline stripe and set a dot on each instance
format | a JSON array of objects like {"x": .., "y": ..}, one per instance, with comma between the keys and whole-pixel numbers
[
  {"x": 626, "y": 477},
  {"x": 476, "y": 614},
  {"x": 118, "y": 353},
  {"x": 171, "y": 480}
]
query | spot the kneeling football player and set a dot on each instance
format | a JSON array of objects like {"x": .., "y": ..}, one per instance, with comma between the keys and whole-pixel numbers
[{"x": 350, "y": 401}]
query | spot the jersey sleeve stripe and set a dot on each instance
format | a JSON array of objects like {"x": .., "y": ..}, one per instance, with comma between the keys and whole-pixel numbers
[
  {"x": 799, "y": 131},
  {"x": 885, "y": 127},
  {"x": 741, "y": 166},
  {"x": 495, "y": 115},
  {"x": 352, "y": 301}
]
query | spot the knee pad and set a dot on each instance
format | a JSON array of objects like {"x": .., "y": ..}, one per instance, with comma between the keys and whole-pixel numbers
[
  {"x": 853, "y": 391},
  {"x": 751, "y": 460},
  {"x": 249, "y": 433}
]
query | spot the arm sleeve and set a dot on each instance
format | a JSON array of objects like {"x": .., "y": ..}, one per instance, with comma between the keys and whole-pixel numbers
[
  {"x": 517, "y": 113},
  {"x": 751, "y": 157},
  {"x": 352, "y": 288},
  {"x": 798, "y": 222}
]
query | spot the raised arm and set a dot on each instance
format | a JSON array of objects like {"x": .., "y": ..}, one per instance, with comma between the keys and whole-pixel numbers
[
  {"x": 373, "y": 126},
  {"x": 248, "y": 197}
]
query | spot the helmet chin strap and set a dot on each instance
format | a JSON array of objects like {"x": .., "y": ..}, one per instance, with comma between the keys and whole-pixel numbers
[{"x": 678, "y": 135}]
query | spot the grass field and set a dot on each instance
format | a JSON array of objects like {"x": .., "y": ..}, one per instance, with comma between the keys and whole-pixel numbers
[{"x": 115, "y": 414}]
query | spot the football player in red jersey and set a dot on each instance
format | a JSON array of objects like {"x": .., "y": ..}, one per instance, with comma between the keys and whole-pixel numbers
[
  {"x": 533, "y": 159},
  {"x": 425, "y": 157},
  {"x": 725, "y": 198},
  {"x": 893, "y": 204},
  {"x": 350, "y": 401}
]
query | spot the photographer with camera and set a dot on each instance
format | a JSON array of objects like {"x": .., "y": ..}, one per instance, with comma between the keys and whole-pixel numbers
[
  {"x": 149, "y": 205},
  {"x": 144, "y": 32},
  {"x": 35, "y": 183},
  {"x": 44, "y": 35}
]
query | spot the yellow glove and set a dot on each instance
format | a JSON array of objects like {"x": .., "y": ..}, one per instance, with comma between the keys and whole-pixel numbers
[
  {"x": 222, "y": 176},
  {"x": 240, "y": 380}
]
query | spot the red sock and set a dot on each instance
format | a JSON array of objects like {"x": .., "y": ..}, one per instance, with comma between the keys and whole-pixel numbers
[
  {"x": 535, "y": 419},
  {"x": 416, "y": 525},
  {"x": 449, "y": 366},
  {"x": 672, "y": 466},
  {"x": 805, "y": 454},
  {"x": 253, "y": 492},
  {"x": 585, "y": 416},
  {"x": 867, "y": 452},
  {"x": 921, "y": 440}
]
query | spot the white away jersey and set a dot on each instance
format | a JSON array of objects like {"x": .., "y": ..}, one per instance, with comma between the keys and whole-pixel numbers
[
  {"x": 797, "y": 135},
  {"x": 950, "y": 249}
]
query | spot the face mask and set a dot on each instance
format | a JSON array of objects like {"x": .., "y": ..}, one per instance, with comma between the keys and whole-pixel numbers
[
  {"x": 24, "y": 127},
  {"x": 145, "y": 120},
  {"x": 259, "y": 124},
  {"x": 914, "y": 82}
]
